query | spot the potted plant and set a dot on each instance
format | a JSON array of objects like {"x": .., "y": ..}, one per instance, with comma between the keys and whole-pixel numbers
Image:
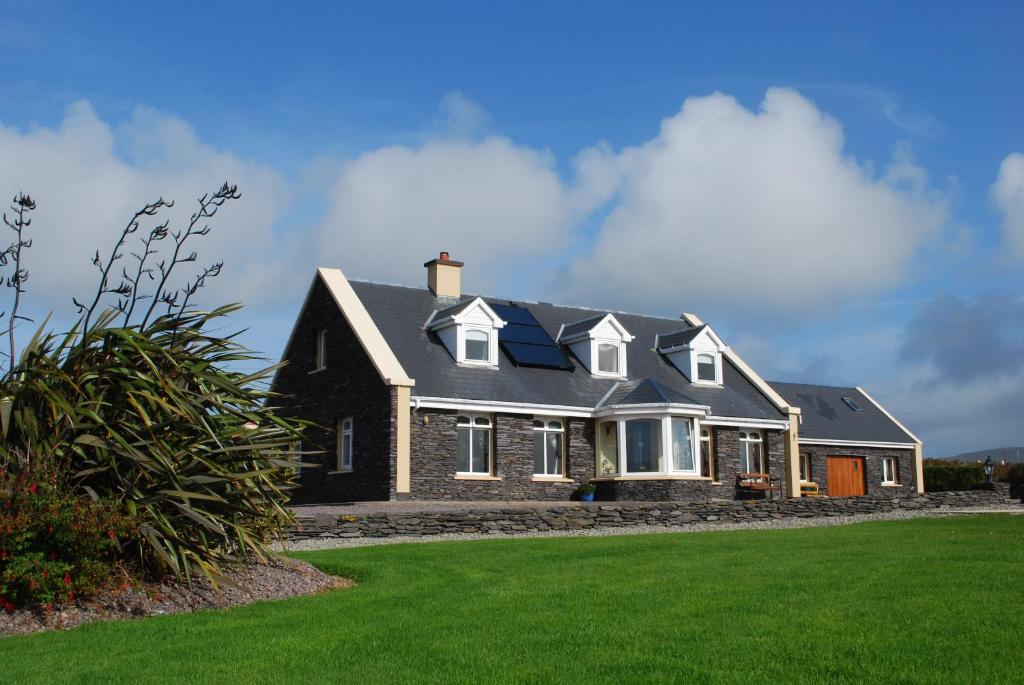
[{"x": 586, "y": 492}]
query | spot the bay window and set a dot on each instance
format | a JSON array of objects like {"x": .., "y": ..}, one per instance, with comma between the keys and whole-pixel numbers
[
  {"x": 752, "y": 452},
  {"x": 474, "y": 444},
  {"x": 643, "y": 445},
  {"x": 548, "y": 447},
  {"x": 647, "y": 445},
  {"x": 682, "y": 445},
  {"x": 608, "y": 450}
]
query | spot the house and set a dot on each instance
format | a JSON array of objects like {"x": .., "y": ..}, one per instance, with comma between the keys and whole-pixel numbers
[{"x": 431, "y": 394}]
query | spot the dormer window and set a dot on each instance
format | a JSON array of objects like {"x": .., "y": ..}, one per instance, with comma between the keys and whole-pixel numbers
[
  {"x": 469, "y": 331},
  {"x": 477, "y": 345},
  {"x": 707, "y": 370},
  {"x": 608, "y": 357},
  {"x": 696, "y": 352},
  {"x": 599, "y": 343}
]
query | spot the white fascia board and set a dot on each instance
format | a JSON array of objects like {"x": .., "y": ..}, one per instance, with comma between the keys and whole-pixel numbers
[
  {"x": 497, "y": 406},
  {"x": 858, "y": 443},
  {"x": 370, "y": 337},
  {"x": 656, "y": 407},
  {"x": 892, "y": 418},
  {"x": 780, "y": 424}
]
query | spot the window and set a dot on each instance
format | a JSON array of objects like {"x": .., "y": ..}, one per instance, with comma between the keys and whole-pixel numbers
[
  {"x": 890, "y": 471},
  {"x": 852, "y": 404},
  {"x": 548, "y": 447},
  {"x": 345, "y": 444},
  {"x": 295, "y": 456},
  {"x": 608, "y": 357},
  {"x": 706, "y": 368},
  {"x": 682, "y": 446},
  {"x": 474, "y": 445},
  {"x": 752, "y": 453},
  {"x": 478, "y": 345},
  {"x": 608, "y": 460},
  {"x": 321, "y": 349},
  {"x": 706, "y": 454},
  {"x": 805, "y": 467},
  {"x": 643, "y": 445}
]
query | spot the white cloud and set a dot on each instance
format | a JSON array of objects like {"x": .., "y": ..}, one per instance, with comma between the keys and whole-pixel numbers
[
  {"x": 729, "y": 207},
  {"x": 88, "y": 177},
  {"x": 495, "y": 205},
  {"x": 1007, "y": 194}
]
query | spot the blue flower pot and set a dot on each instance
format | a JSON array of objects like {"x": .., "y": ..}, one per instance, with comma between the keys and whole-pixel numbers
[{"x": 586, "y": 497}]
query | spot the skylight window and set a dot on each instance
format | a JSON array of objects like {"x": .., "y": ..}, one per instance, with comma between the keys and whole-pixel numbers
[{"x": 852, "y": 404}]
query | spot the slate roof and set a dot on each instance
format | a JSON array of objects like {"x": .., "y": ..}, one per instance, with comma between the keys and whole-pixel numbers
[
  {"x": 678, "y": 338},
  {"x": 645, "y": 392},
  {"x": 825, "y": 416},
  {"x": 401, "y": 313},
  {"x": 581, "y": 326}
]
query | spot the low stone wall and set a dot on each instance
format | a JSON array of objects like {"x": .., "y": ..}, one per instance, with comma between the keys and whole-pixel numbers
[{"x": 541, "y": 517}]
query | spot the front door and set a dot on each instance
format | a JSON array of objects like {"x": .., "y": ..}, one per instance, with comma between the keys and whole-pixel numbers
[{"x": 845, "y": 476}]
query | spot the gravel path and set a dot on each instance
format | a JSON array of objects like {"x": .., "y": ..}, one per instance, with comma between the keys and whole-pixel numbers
[{"x": 762, "y": 524}]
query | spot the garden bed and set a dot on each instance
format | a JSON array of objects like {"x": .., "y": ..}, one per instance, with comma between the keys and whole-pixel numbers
[{"x": 245, "y": 584}]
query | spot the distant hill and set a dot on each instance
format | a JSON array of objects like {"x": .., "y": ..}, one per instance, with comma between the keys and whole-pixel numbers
[{"x": 1013, "y": 455}]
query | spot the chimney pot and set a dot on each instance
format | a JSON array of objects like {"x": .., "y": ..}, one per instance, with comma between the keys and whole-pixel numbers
[{"x": 444, "y": 256}]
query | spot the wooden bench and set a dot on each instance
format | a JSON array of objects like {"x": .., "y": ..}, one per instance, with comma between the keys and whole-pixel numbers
[
  {"x": 810, "y": 490},
  {"x": 756, "y": 482}
]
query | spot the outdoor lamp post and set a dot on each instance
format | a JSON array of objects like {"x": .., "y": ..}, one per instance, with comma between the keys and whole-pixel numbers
[{"x": 989, "y": 467}]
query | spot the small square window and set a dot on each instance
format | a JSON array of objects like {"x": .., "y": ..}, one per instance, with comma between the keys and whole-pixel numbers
[
  {"x": 890, "y": 471},
  {"x": 608, "y": 357},
  {"x": 478, "y": 346},
  {"x": 706, "y": 368}
]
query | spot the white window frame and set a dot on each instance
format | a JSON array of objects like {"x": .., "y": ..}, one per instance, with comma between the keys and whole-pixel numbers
[
  {"x": 709, "y": 440},
  {"x": 321, "y": 349},
  {"x": 486, "y": 330},
  {"x": 715, "y": 365},
  {"x": 600, "y": 449},
  {"x": 471, "y": 427},
  {"x": 346, "y": 429},
  {"x": 620, "y": 357},
  {"x": 544, "y": 430},
  {"x": 805, "y": 468},
  {"x": 666, "y": 464},
  {"x": 890, "y": 464},
  {"x": 748, "y": 438}
]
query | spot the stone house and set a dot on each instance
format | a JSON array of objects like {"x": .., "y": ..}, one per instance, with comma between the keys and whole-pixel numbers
[{"x": 428, "y": 394}]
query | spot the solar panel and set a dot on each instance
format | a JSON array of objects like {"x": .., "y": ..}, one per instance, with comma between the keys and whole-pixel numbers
[
  {"x": 526, "y": 342},
  {"x": 512, "y": 314}
]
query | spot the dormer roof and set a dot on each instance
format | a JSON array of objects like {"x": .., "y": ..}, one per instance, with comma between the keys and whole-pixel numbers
[
  {"x": 689, "y": 337},
  {"x": 463, "y": 312},
  {"x": 587, "y": 328}
]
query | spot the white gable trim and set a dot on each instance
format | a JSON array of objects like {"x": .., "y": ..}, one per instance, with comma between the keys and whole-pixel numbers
[
  {"x": 758, "y": 382},
  {"x": 891, "y": 417},
  {"x": 609, "y": 319},
  {"x": 465, "y": 315},
  {"x": 370, "y": 337}
]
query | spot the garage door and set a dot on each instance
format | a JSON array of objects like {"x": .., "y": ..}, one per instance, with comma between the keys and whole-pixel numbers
[{"x": 845, "y": 476}]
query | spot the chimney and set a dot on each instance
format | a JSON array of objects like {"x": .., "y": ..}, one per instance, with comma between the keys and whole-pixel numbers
[{"x": 444, "y": 277}]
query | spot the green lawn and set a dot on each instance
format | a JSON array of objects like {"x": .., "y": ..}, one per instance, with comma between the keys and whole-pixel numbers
[{"x": 927, "y": 600}]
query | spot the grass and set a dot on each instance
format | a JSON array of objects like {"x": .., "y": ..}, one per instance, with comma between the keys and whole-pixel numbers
[{"x": 925, "y": 600}]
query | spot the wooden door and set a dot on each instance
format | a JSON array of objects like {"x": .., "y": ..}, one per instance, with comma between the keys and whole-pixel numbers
[{"x": 845, "y": 476}]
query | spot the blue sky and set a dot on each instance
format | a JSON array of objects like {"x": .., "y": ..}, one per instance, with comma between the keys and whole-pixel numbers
[{"x": 848, "y": 210}]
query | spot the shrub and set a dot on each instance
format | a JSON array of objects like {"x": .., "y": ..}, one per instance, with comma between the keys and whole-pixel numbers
[
  {"x": 53, "y": 545},
  {"x": 145, "y": 409},
  {"x": 939, "y": 476}
]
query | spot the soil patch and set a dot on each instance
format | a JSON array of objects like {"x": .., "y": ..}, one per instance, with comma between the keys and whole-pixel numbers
[{"x": 277, "y": 579}]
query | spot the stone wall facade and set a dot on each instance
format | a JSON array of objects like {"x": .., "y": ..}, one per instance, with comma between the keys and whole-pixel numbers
[
  {"x": 434, "y": 453},
  {"x": 872, "y": 467},
  {"x": 512, "y": 519},
  {"x": 348, "y": 386}
]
